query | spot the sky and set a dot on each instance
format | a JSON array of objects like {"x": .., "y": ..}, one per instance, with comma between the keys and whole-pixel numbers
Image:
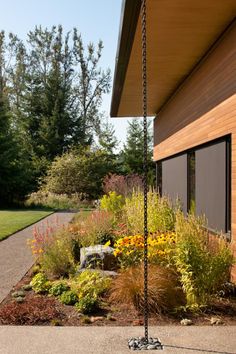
[{"x": 95, "y": 19}]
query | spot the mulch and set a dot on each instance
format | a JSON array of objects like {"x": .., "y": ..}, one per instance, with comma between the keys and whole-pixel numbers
[{"x": 55, "y": 313}]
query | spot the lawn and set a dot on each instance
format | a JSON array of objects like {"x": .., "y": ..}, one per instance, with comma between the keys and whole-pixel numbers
[{"x": 15, "y": 220}]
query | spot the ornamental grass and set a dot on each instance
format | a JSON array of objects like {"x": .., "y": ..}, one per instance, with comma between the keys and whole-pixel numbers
[
  {"x": 164, "y": 291},
  {"x": 161, "y": 214}
]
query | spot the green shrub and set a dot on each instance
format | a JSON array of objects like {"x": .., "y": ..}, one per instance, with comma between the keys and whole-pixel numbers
[
  {"x": 68, "y": 297},
  {"x": 40, "y": 283},
  {"x": 57, "y": 258},
  {"x": 112, "y": 203},
  {"x": 87, "y": 304},
  {"x": 58, "y": 288},
  {"x": 89, "y": 286},
  {"x": 202, "y": 266},
  {"x": 78, "y": 171},
  {"x": 161, "y": 216},
  {"x": 90, "y": 282}
]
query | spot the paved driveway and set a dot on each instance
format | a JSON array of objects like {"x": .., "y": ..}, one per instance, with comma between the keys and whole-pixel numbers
[{"x": 113, "y": 340}]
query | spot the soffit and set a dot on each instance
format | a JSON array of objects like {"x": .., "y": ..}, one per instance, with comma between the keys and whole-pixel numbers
[{"x": 179, "y": 34}]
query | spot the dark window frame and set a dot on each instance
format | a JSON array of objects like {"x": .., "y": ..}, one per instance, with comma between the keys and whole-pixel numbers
[
  {"x": 189, "y": 187},
  {"x": 159, "y": 177},
  {"x": 228, "y": 186}
]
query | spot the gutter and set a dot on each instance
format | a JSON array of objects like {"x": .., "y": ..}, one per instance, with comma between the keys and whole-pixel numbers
[{"x": 128, "y": 23}]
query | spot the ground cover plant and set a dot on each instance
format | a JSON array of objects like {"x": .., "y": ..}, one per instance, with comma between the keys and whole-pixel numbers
[
  {"x": 34, "y": 310},
  {"x": 82, "y": 290},
  {"x": 13, "y": 220}
]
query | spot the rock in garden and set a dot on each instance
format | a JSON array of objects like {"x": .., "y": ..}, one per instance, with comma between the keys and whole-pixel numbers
[
  {"x": 216, "y": 321},
  {"x": 186, "y": 322},
  {"x": 141, "y": 344},
  {"x": 98, "y": 256},
  {"x": 95, "y": 319},
  {"x": 27, "y": 287},
  {"x": 19, "y": 299},
  {"x": 18, "y": 293},
  {"x": 151, "y": 347}
]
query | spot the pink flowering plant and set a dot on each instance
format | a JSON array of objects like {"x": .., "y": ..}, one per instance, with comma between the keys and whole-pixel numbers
[{"x": 42, "y": 236}]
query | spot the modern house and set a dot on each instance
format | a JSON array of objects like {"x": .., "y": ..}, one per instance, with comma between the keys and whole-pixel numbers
[{"x": 191, "y": 88}]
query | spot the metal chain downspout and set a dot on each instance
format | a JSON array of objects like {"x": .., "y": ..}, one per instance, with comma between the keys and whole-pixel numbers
[
  {"x": 145, "y": 343},
  {"x": 145, "y": 167}
]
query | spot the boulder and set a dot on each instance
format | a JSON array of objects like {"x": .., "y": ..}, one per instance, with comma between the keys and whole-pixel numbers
[
  {"x": 186, "y": 322},
  {"x": 98, "y": 257}
]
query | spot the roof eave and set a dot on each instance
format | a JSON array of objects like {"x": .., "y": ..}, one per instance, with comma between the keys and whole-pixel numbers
[{"x": 128, "y": 23}]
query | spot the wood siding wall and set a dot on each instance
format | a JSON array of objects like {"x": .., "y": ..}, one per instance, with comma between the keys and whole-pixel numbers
[{"x": 203, "y": 109}]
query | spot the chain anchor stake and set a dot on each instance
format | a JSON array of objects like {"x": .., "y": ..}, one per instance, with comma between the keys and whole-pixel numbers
[{"x": 145, "y": 343}]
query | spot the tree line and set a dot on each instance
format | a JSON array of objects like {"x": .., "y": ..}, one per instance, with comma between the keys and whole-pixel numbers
[{"x": 51, "y": 91}]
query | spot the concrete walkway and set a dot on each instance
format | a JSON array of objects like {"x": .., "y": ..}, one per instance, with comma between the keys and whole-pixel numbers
[
  {"x": 15, "y": 254},
  {"x": 113, "y": 340}
]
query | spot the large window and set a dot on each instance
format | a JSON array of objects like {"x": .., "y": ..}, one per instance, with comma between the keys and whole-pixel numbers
[
  {"x": 200, "y": 178},
  {"x": 174, "y": 180}
]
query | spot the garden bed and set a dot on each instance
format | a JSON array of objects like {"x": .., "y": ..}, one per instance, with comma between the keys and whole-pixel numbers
[
  {"x": 91, "y": 272},
  {"x": 48, "y": 311}
]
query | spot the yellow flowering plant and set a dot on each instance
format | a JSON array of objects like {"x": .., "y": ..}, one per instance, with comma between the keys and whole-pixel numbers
[{"x": 129, "y": 249}]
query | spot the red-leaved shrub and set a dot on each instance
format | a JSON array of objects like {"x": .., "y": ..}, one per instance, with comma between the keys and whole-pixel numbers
[
  {"x": 122, "y": 185},
  {"x": 34, "y": 310}
]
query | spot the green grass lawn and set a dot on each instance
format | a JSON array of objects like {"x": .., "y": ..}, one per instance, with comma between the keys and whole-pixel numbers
[{"x": 15, "y": 220}]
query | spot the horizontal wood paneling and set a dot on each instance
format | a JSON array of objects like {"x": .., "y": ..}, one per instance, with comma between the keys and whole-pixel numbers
[{"x": 203, "y": 110}]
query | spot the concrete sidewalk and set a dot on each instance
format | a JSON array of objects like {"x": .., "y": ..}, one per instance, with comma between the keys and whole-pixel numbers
[
  {"x": 113, "y": 340},
  {"x": 15, "y": 254}
]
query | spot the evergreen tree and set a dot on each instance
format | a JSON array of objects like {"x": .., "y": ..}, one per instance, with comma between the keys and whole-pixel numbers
[
  {"x": 108, "y": 143},
  {"x": 57, "y": 90},
  {"x": 132, "y": 153},
  {"x": 15, "y": 177},
  {"x": 91, "y": 84},
  {"x": 48, "y": 92},
  {"x": 51, "y": 95}
]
